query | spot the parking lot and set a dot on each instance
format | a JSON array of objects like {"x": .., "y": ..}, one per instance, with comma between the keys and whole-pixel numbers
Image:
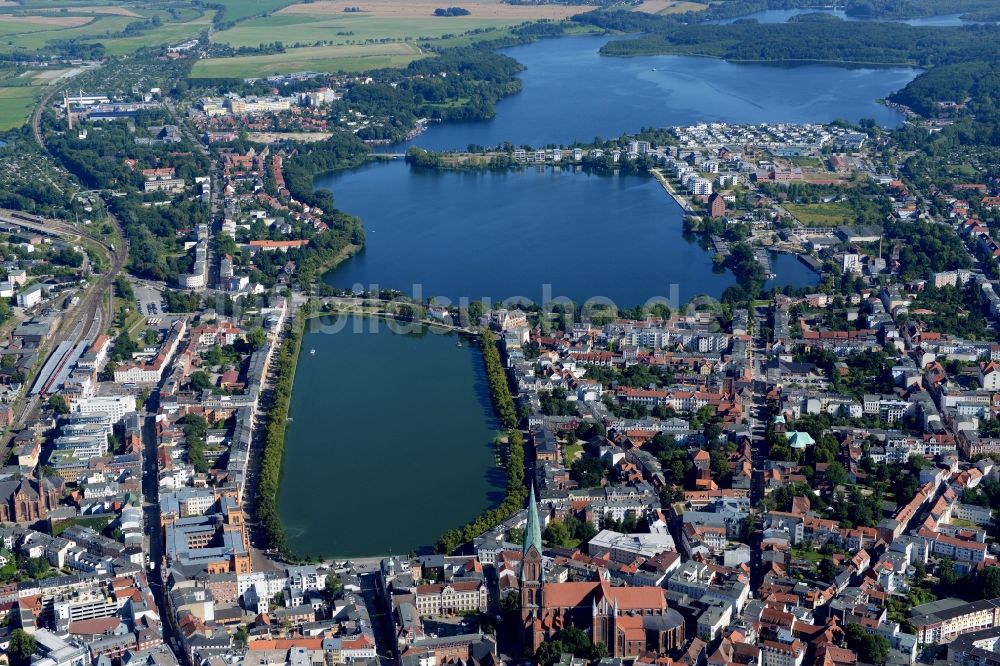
[{"x": 149, "y": 300}]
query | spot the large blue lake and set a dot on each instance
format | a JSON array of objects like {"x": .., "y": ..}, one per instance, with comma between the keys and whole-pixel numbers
[
  {"x": 510, "y": 234},
  {"x": 536, "y": 234},
  {"x": 572, "y": 93}
]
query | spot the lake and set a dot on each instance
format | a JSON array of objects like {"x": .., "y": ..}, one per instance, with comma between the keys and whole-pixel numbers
[
  {"x": 504, "y": 235},
  {"x": 508, "y": 234},
  {"x": 783, "y": 15},
  {"x": 572, "y": 93},
  {"x": 390, "y": 443}
]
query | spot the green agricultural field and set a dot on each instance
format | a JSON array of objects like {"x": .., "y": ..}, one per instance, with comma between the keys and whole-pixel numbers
[
  {"x": 16, "y": 105},
  {"x": 24, "y": 36},
  {"x": 349, "y": 28},
  {"x": 36, "y": 22},
  {"x": 350, "y": 58},
  {"x": 237, "y": 10},
  {"x": 168, "y": 33},
  {"x": 62, "y": 4},
  {"x": 821, "y": 214},
  {"x": 179, "y": 14}
]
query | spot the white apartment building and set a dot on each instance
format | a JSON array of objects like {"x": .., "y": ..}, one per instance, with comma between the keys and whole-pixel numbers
[{"x": 114, "y": 406}]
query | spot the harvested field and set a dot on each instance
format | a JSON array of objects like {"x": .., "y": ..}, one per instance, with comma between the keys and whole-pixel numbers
[
  {"x": 105, "y": 9},
  {"x": 670, "y": 6},
  {"x": 48, "y": 21},
  {"x": 481, "y": 9}
]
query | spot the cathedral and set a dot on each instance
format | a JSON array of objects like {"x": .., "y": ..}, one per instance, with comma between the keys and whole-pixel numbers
[
  {"x": 630, "y": 621},
  {"x": 28, "y": 499}
]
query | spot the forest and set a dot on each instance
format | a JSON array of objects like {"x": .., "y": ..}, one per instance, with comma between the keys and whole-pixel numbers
[
  {"x": 810, "y": 37},
  {"x": 477, "y": 79},
  {"x": 902, "y": 9},
  {"x": 976, "y": 81}
]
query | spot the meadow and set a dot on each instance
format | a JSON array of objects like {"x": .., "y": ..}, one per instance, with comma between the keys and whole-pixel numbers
[
  {"x": 821, "y": 214},
  {"x": 322, "y": 36},
  {"x": 480, "y": 9},
  {"x": 16, "y": 105},
  {"x": 237, "y": 10},
  {"x": 670, "y": 6}
]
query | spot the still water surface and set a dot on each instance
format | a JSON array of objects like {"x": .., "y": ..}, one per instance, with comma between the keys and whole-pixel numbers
[{"x": 390, "y": 443}]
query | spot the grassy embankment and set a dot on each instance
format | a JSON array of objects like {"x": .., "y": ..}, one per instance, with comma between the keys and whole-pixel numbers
[
  {"x": 516, "y": 491},
  {"x": 269, "y": 480}
]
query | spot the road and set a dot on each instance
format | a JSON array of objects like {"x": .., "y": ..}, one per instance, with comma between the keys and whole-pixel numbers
[
  {"x": 36, "y": 116},
  {"x": 376, "y": 307},
  {"x": 151, "y": 519},
  {"x": 215, "y": 200}
]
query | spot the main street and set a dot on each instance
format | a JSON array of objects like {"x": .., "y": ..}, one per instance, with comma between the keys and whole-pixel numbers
[{"x": 154, "y": 535}]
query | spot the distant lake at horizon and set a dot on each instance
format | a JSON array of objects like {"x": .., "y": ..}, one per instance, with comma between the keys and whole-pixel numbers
[
  {"x": 390, "y": 443},
  {"x": 783, "y": 16},
  {"x": 572, "y": 93}
]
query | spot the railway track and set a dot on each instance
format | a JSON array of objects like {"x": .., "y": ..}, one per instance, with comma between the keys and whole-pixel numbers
[
  {"x": 81, "y": 322},
  {"x": 85, "y": 320}
]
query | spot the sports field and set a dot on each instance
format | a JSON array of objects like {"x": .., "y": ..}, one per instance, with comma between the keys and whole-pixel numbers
[{"x": 346, "y": 58}]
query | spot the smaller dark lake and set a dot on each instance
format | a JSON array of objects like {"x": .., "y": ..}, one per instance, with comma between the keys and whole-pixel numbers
[{"x": 390, "y": 443}]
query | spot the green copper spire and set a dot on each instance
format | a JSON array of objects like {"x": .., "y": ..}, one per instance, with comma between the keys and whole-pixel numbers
[{"x": 533, "y": 531}]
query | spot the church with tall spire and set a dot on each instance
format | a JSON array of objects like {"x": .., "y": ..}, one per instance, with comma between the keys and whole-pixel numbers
[
  {"x": 532, "y": 572},
  {"x": 629, "y": 621}
]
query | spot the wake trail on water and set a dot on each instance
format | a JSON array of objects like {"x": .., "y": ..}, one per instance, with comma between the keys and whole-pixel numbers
[{"x": 691, "y": 77}]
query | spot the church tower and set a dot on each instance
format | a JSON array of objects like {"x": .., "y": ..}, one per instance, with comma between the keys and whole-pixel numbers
[{"x": 532, "y": 577}]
